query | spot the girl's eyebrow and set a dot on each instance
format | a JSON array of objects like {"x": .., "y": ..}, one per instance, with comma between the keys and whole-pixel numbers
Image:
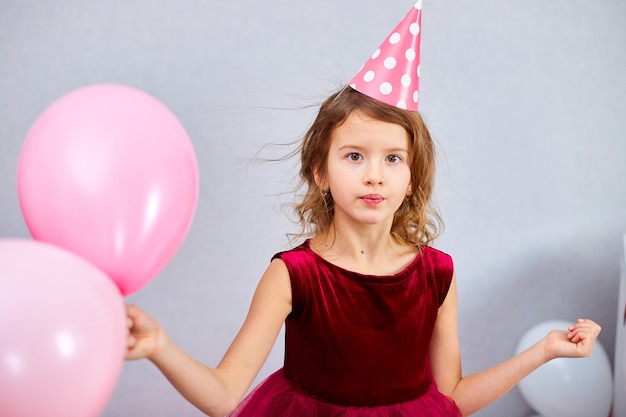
[
  {"x": 349, "y": 146},
  {"x": 398, "y": 150},
  {"x": 358, "y": 147}
]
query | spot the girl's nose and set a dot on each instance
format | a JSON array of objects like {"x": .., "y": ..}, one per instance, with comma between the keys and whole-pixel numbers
[{"x": 373, "y": 174}]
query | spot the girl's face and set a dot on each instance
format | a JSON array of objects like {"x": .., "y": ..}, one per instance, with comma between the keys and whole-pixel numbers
[{"x": 368, "y": 170}]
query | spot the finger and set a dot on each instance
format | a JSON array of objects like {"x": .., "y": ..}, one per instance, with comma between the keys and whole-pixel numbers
[
  {"x": 582, "y": 332},
  {"x": 132, "y": 310},
  {"x": 573, "y": 332},
  {"x": 130, "y": 341},
  {"x": 573, "y": 337},
  {"x": 585, "y": 325}
]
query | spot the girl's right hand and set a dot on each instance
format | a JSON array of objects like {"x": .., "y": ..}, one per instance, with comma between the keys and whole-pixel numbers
[{"x": 144, "y": 334}]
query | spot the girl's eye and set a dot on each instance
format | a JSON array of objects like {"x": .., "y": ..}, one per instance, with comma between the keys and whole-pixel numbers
[
  {"x": 394, "y": 159},
  {"x": 354, "y": 156}
]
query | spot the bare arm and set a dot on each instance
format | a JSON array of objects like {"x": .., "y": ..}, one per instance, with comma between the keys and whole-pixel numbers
[
  {"x": 474, "y": 392},
  {"x": 216, "y": 391}
]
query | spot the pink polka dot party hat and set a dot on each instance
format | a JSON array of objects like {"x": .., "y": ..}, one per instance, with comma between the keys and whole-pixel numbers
[{"x": 392, "y": 73}]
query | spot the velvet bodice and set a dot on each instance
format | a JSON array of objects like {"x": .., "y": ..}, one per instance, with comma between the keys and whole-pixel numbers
[{"x": 362, "y": 340}]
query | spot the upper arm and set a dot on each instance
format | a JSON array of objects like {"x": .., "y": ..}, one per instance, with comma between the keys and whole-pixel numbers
[
  {"x": 445, "y": 354},
  {"x": 270, "y": 306}
]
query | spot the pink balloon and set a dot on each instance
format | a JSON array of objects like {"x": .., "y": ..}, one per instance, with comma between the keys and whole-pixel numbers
[
  {"x": 109, "y": 173},
  {"x": 62, "y": 332}
]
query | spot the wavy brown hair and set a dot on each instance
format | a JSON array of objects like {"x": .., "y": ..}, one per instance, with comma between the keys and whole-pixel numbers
[{"x": 416, "y": 222}]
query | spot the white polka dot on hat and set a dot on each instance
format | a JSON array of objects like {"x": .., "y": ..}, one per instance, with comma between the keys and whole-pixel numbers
[{"x": 391, "y": 74}]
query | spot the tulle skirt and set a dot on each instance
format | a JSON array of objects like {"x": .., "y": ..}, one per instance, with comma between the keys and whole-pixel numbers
[{"x": 276, "y": 397}]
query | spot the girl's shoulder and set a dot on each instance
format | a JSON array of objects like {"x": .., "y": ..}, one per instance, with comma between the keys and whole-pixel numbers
[
  {"x": 299, "y": 250},
  {"x": 436, "y": 254},
  {"x": 442, "y": 269},
  {"x": 440, "y": 262}
]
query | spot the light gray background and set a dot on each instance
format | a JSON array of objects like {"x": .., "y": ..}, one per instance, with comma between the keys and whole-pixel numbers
[{"x": 526, "y": 100}]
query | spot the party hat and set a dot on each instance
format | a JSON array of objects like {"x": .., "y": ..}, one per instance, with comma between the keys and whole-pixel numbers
[{"x": 392, "y": 74}]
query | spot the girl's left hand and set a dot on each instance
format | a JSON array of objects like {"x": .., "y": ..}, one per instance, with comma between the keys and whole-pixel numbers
[{"x": 576, "y": 342}]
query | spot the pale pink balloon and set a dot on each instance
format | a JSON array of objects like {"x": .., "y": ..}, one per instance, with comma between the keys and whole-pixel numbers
[
  {"x": 109, "y": 173},
  {"x": 62, "y": 332}
]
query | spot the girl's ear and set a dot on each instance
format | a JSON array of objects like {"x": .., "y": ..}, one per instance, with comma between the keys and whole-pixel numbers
[
  {"x": 409, "y": 190},
  {"x": 320, "y": 179}
]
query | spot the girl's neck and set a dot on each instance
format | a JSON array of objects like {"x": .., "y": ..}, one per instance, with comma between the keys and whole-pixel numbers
[{"x": 367, "y": 250}]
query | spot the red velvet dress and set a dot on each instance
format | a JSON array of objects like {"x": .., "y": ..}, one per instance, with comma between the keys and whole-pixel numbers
[{"x": 357, "y": 345}]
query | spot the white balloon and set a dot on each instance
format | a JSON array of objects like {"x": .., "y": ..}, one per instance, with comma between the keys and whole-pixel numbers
[{"x": 567, "y": 387}]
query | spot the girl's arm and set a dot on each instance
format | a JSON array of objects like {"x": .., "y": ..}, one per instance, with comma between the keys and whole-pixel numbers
[
  {"x": 217, "y": 391},
  {"x": 473, "y": 392}
]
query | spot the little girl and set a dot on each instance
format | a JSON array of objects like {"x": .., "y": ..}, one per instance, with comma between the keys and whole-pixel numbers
[{"x": 370, "y": 309}]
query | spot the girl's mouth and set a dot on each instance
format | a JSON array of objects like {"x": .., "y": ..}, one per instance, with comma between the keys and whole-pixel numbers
[{"x": 372, "y": 199}]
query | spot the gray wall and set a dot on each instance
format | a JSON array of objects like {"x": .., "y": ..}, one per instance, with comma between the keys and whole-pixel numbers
[{"x": 525, "y": 99}]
